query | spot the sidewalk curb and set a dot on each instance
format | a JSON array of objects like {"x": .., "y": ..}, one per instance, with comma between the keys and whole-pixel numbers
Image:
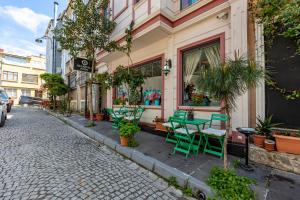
[{"x": 147, "y": 162}]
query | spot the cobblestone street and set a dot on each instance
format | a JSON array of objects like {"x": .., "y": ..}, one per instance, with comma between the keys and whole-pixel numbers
[{"x": 43, "y": 158}]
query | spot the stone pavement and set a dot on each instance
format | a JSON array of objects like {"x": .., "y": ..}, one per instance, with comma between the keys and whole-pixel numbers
[
  {"x": 43, "y": 158},
  {"x": 271, "y": 184}
]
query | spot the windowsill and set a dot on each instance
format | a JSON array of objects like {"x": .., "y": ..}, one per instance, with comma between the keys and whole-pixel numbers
[
  {"x": 29, "y": 83},
  {"x": 10, "y": 81},
  {"x": 202, "y": 108},
  {"x": 151, "y": 107}
]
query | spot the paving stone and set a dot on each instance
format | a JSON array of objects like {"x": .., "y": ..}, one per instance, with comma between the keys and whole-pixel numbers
[{"x": 43, "y": 158}]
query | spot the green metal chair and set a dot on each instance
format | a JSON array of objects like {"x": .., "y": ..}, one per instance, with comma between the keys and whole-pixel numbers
[
  {"x": 184, "y": 137},
  {"x": 217, "y": 134},
  {"x": 117, "y": 118},
  {"x": 135, "y": 116},
  {"x": 170, "y": 134}
]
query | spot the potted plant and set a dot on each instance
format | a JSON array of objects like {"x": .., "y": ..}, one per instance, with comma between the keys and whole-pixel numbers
[
  {"x": 99, "y": 116},
  {"x": 263, "y": 130},
  {"x": 158, "y": 124},
  {"x": 127, "y": 132},
  {"x": 190, "y": 114},
  {"x": 288, "y": 142}
]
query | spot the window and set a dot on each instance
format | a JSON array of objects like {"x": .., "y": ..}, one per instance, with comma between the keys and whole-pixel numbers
[
  {"x": 152, "y": 88},
  {"x": 11, "y": 92},
  {"x": 26, "y": 92},
  {"x": 30, "y": 78},
  {"x": 10, "y": 76},
  {"x": 73, "y": 77},
  {"x": 118, "y": 7},
  {"x": 186, "y": 3},
  {"x": 193, "y": 61}
]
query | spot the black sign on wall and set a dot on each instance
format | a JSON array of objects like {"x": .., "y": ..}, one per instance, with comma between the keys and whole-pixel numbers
[{"x": 82, "y": 64}]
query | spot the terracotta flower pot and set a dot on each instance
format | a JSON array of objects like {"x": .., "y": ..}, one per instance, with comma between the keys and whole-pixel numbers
[
  {"x": 287, "y": 144},
  {"x": 124, "y": 141},
  {"x": 269, "y": 145},
  {"x": 259, "y": 140},
  {"x": 99, "y": 117},
  {"x": 160, "y": 127}
]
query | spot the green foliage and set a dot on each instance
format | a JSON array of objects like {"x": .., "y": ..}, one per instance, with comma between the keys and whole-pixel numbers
[
  {"x": 264, "y": 126},
  {"x": 230, "y": 80},
  {"x": 54, "y": 84},
  {"x": 228, "y": 185},
  {"x": 187, "y": 192},
  {"x": 172, "y": 181},
  {"x": 89, "y": 29},
  {"x": 236, "y": 163},
  {"x": 128, "y": 129},
  {"x": 132, "y": 79},
  {"x": 280, "y": 17},
  {"x": 133, "y": 142},
  {"x": 90, "y": 124}
]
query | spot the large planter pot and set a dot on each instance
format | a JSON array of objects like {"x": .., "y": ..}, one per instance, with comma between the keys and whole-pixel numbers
[
  {"x": 287, "y": 144},
  {"x": 160, "y": 127},
  {"x": 99, "y": 117},
  {"x": 269, "y": 145},
  {"x": 259, "y": 140},
  {"x": 124, "y": 141}
]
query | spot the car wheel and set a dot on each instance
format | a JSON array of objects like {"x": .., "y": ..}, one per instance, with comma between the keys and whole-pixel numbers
[{"x": 2, "y": 122}]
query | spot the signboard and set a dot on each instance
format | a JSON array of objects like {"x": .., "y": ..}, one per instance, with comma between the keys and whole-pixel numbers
[{"x": 82, "y": 64}]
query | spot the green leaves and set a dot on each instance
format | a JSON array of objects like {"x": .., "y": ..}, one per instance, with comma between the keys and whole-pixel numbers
[
  {"x": 230, "y": 80},
  {"x": 228, "y": 185},
  {"x": 128, "y": 129},
  {"x": 55, "y": 84},
  {"x": 281, "y": 17},
  {"x": 89, "y": 29}
]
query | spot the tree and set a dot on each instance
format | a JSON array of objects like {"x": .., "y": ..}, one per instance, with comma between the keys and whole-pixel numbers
[
  {"x": 229, "y": 81},
  {"x": 87, "y": 32},
  {"x": 55, "y": 85}
]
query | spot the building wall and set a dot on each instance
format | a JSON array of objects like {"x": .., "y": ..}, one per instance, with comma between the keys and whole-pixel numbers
[
  {"x": 165, "y": 39},
  {"x": 34, "y": 65}
]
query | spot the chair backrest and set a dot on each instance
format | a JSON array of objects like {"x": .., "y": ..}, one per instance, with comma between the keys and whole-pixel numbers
[
  {"x": 139, "y": 113},
  {"x": 180, "y": 114},
  {"x": 174, "y": 120},
  {"x": 218, "y": 117}
]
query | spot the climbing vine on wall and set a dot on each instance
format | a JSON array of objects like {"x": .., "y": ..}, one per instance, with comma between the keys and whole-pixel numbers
[{"x": 280, "y": 17}]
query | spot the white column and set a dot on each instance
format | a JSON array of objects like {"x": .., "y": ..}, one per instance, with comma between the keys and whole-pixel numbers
[{"x": 240, "y": 116}]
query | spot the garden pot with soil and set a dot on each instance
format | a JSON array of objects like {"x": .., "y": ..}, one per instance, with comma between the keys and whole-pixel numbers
[
  {"x": 99, "y": 117},
  {"x": 287, "y": 144},
  {"x": 124, "y": 141},
  {"x": 269, "y": 145},
  {"x": 259, "y": 140}
]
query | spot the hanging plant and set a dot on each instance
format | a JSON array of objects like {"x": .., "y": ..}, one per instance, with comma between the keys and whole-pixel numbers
[{"x": 280, "y": 17}]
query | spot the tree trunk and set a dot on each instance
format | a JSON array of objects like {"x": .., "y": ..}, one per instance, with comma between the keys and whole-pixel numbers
[
  {"x": 91, "y": 92},
  {"x": 54, "y": 102},
  {"x": 228, "y": 130}
]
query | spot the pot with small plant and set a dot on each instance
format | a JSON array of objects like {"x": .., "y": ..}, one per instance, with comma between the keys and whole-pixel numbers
[
  {"x": 159, "y": 124},
  {"x": 263, "y": 131},
  {"x": 127, "y": 132},
  {"x": 288, "y": 141},
  {"x": 190, "y": 115}
]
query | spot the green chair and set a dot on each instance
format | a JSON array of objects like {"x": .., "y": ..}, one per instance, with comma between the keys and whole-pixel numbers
[
  {"x": 170, "y": 134},
  {"x": 184, "y": 137},
  {"x": 217, "y": 134},
  {"x": 117, "y": 118},
  {"x": 135, "y": 116}
]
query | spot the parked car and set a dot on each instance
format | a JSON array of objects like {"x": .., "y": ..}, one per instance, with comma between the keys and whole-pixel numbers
[
  {"x": 30, "y": 100},
  {"x": 3, "y": 107},
  {"x": 9, "y": 102}
]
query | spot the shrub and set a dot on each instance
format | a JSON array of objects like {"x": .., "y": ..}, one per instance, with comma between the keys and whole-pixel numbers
[
  {"x": 228, "y": 185},
  {"x": 128, "y": 129}
]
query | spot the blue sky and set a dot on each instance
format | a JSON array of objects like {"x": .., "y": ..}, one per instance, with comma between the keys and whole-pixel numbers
[{"x": 22, "y": 21}]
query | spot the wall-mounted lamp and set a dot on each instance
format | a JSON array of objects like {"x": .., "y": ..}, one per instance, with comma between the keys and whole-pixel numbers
[{"x": 167, "y": 67}]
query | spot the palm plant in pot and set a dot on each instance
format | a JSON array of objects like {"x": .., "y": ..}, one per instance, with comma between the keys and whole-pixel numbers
[
  {"x": 263, "y": 136},
  {"x": 127, "y": 132}
]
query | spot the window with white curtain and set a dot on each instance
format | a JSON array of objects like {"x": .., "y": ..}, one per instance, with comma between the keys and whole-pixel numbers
[
  {"x": 193, "y": 61},
  {"x": 119, "y": 6}
]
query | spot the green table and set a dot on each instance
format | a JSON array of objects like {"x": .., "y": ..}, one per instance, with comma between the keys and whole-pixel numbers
[{"x": 197, "y": 122}]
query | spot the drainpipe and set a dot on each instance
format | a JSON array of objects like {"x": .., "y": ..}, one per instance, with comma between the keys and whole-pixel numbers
[{"x": 53, "y": 37}]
